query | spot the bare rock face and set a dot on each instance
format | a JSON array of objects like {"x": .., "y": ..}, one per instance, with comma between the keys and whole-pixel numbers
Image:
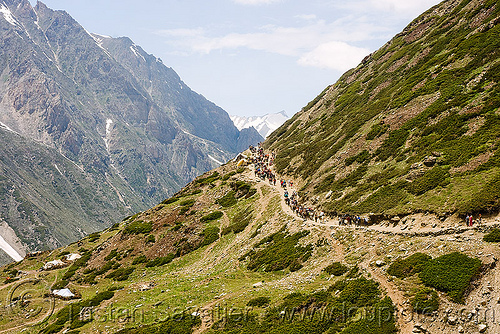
[{"x": 119, "y": 115}]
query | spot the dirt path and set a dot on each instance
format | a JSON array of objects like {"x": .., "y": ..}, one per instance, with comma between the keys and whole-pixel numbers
[
  {"x": 400, "y": 229},
  {"x": 392, "y": 291},
  {"x": 330, "y": 225}
]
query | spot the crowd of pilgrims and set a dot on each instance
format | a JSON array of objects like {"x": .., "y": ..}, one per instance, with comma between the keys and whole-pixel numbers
[{"x": 262, "y": 163}]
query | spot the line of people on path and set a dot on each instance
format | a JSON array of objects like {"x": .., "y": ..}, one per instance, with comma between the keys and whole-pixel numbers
[
  {"x": 347, "y": 219},
  {"x": 262, "y": 164}
]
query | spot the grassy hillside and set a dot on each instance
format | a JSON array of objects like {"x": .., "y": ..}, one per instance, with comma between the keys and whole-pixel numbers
[
  {"x": 192, "y": 250},
  {"x": 226, "y": 255},
  {"x": 415, "y": 127}
]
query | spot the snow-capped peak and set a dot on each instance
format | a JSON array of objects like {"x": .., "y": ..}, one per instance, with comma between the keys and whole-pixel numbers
[{"x": 265, "y": 125}]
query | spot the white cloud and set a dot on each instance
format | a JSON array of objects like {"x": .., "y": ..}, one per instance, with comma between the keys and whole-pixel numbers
[
  {"x": 182, "y": 32},
  {"x": 306, "y": 17},
  {"x": 406, "y": 8},
  {"x": 289, "y": 41},
  {"x": 312, "y": 41},
  {"x": 334, "y": 55},
  {"x": 256, "y": 2}
]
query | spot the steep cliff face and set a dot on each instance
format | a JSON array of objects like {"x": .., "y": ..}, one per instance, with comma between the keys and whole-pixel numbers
[
  {"x": 415, "y": 127},
  {"x": 126, "y": 120}
]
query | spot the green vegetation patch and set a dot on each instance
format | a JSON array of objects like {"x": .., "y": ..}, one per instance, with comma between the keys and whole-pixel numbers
[
  {"x": 138, "y": 227},
  {"x": 376, "y": 131},
  {"x": 160, "y": 261},
  {"x": 359, "y": 158},
  {"x": 188, "y": 202},
  {"x": 178, "y": 324},
  {"x": 210, "y": 234},
  {"x": 390, "y": 147},
  {"x": 93, "y": 237},
  {"x": 80, "y": 263},
  {"x": 170, "y": 200},
  {"x": 140, "y": 259},
  {"x": 259, "y": 302},
  {"x": 451, "y": 273},
  {"x": 493, "y": 236},
  {"x": 329, "y": 183},
  {"x": 336, "y": 310},
  {"x": 409, "y": 266},
  {"x": 211, "y": 216},
  {"x": 227, "y": 200},
  {"x": 434, "y": 177},
  {"x": 242, "y": 189},
  {"x": 111, "y": 255},
  {"x": 209, "y": 179},
  {"x": 279, "y": 251},
  {"x": 425, "y": 301},
  {"x": 228, "y": 175},
  {"x": 381, "y": 321},
  {"x": 121, "y": 274},
  {"x": 240, "y": 221},
  {"x": 383, "y": 199},
  {"x": 336, "y": 269},
  {"x": 486, "y": 200}
]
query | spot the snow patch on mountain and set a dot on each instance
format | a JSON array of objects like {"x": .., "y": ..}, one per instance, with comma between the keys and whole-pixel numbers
[
  {"x": 4, "y": 245},
  {"x": 133, "y": 48},
  {"x": 109, "y": 123},
  {"x": 213, "y": 159},
  {"x": 7, "y": 14},
  {"x": 265, "y": 125}
]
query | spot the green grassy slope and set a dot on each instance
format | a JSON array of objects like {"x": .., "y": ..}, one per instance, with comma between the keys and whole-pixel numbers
[
  {"x": 192, "y": 253},
  {"x": 415, "y": 127}
]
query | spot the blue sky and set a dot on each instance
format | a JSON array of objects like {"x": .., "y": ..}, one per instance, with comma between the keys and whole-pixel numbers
[{"x": 252, "y": 57}]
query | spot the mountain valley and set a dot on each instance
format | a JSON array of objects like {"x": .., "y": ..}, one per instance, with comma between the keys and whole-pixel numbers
[
  {"x": 114, "y": 127},
  {"x": 375, "y": 209}
]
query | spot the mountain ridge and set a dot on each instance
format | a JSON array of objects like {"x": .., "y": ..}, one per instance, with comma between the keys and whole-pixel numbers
[{"x": 133, "y": 127}]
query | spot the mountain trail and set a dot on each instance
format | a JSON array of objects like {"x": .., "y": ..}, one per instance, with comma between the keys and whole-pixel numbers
[{"x": 405, "y": 325}]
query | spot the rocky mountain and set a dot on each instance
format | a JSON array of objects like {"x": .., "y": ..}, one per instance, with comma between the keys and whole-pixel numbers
[
  {"x": 265, "y": 125},
  {"x": 125, "y": 122},
  {"x": 231, "y": 253},
  {"x": 415, "y": 127}
]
